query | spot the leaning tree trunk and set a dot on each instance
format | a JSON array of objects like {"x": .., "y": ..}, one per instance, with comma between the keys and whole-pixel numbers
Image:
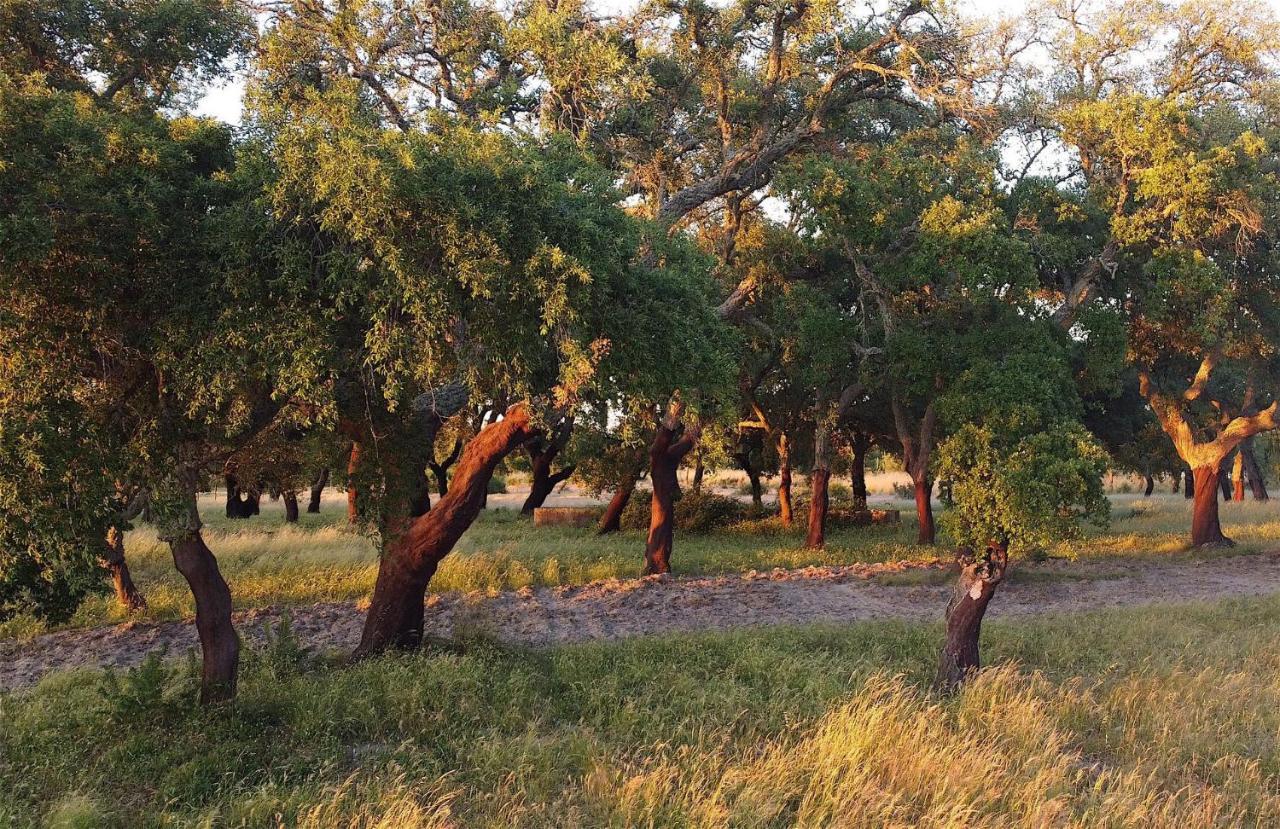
[
  {"x": 785, "y": 510},
  {"x": 1150, "y": 487},
  {"x": 858, "y": 469},
  {"x": 818, "y": 498},
  {"x": 219, "y": 645},
  {"x": 1206, "y": 531},
  {"x": 927, "y": 532},
  {"x": 979, "y": 578},
  {"x": 440, "y": 469},
  {"x": 541, "y": 455},
  {"x": 353, "y": 494},
  {"x": 317, "y": 489},
  {"x": 127, "y": 593},
  {"x": 611, "y": 521},
  {"x": 410, "y": 559},
  {"x": 1237, "y": 477},
  {"x": 665, "y": 454},
  {"x": 1253, "y": 471},
  {"x": 290, "y": 506}
]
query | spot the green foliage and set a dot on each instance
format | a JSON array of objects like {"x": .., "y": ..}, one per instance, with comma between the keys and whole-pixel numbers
[{"x": 695, "y": 512}]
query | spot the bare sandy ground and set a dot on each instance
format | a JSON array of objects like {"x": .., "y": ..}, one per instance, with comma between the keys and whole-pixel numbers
[{"x": 616, "y": 609}]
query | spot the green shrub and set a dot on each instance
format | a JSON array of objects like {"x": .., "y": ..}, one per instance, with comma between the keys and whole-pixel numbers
[
  {"x": 696, "y": 512},
  {"x": 497, "y": 485}
]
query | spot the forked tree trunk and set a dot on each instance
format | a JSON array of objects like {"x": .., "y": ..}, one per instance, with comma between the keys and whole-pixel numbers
[
  {"x": 665, "y": 454},
  {"x": 353, "y": 495},
  {"x": 1237, "y": 477},
  {"x": 926, "y": 532},
  {"x": 317, "y": 490},
  {"x": 785, "y": 510},
  {"x": 127, "y": 593},
  {"x": 290, "y": 507},
  {"x": 410, "y": 559},
  {"x": 1206, "y": 531},
  {"x": 611, "y": 521},
  {"x": 977, "y": 583},
  {"x": 440, "y": 469},
  {"x": 1252, "y": 471},
  {"x": 219, "y": 645},
  {"x": 542, "y": 453},
  {"x": 858, "y": 469},
  {"x": 1150, "y": 487}
]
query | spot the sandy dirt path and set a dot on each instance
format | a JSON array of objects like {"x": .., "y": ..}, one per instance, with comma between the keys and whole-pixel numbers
[{"x": 616, "y": 609}]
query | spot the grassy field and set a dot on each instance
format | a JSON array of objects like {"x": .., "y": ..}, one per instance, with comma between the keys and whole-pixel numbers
[
  {"x": 1153, "y": 717},
  {"x": 269, "y": 563}
]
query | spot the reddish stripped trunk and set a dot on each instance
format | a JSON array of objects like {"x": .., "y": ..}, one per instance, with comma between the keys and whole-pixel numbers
[
  {"x": 1237, "y": 477},
  {"x": 611, "y": 521},
  {"x": 785, "y": 509},
  {"x": 353, "y": 496},
  {"x": 818, "y": 503},
  {"x": 924, "y": 511},
  {"x": 1206, "y": 531},
  {"x": 410, "y": 559},
  {"x": 977, "y": 583},
  {"x": 665, "y": 454},
  {"x": 127, "y": 593},
  {"x": 219, "y": 646}
]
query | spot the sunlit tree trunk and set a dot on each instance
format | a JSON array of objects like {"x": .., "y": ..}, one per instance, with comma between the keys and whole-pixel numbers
[
  {"x": 127, "y": 593},
  {"x": 1206, "y": 531},
  {"x": 976, "y": 585},
  {"x": 1237, "y": 476},
  {"x": 785, "y": 510},
  {"x": 353, "y": 495},
  {"x": 665, "y": 453}
]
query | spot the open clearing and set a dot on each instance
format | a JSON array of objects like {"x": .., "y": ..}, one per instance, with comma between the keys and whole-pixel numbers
[{"x": 617, "y": 609}]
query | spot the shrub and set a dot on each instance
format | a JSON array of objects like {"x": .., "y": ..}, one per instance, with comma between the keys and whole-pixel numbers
[
  {"x": 497, "y": 485},
  {"x": 696, "y": 512}
]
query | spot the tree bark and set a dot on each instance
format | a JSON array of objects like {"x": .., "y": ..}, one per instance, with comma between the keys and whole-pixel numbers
[
  {"x": 611, "y": 521},
  {"x": 219, "y": 645},
  {"x": 1224, "y": 479},
  {"x": 927, "y": 533},
  {"x": 819, "y": 478},
  {"x": 1253, "y": 471},
  {"x": 542, "y": 453},
  {"x": 410, "y": 558},
  {"x": 1206, "y": 531},
  {"x": 440, "y": 470},
  {"x": 785, "y": 509},
  {"x": 290, "y": 507},
  {"x": 353, "y": 495},
  {"x": 317, "y": 489},
  {"x": 860, "y": 443},
  {"x": 743, "y": 457},
  {"x": 127, "y": 593},
  {"x": 1188, "y": 484},
  {"x": 1237, "y": 476},
  {"x": 977, "y": 583},
  {"x": 665, "y": 454},
  {"x": 699, "y": 469}
]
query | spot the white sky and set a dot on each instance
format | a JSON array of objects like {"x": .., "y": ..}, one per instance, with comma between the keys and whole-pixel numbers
[{"x": 224, "y": 101}]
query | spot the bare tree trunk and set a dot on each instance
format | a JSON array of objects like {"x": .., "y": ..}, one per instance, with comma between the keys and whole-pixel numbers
[
  {"x": 219, "y": 645},
  {"x": 441, "y": 469},
  {"x": 127, "y": 593},
  {"x": 290, "y": 506},
  {"x": 785, "y": 510},
  {"x": 860, "y": 443},
  {"x": 1253, "y": 471},
  {"x": 1206, "y": 531},
  {"x": 743, "y": 457},
  {"x": 1150, "y": 487},
  {"x": 611, "y": 521},
  {"x": 317, "y": 489},
  {"x": 542, "y": 453},
  {"x": 1177, "y": 483},
  {"x": 698, "y": 471},
  {"x": 1237, "y": 476},
  {"x": 1188, "y": 483},
  {"x": 927, "y": 532},
  {"x": 665, "y": 454},
  {"x": 1224, "y": 479},
  {"x": 818, "y": 498},
  {"x": 395, "y": 617},
  {"x": 353, "y": 496},
  {"x": 977, "y": 583}
]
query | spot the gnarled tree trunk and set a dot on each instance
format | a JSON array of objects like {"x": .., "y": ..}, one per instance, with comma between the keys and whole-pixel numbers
[
  {"x": 290, "y": 506},
  {"x": 542, "y": 453},
  {"x": 317, "y": 489},
  {"x": 1253, "y": 471},
  {"x": 611, "y": 521},
  {"x": 917, "y": 451},
  {"x": 410, "y": 559},
  {"x": 440, "y": 469},
  {"x": 785, "y": 510},
  {"x": 665, "y": 454},
  {"x": 977, "y": 583},
  {"x": 219, "y": 645},
  {"x": 743, "y": 457},
  {"x": 127, "y": 593},
  {"x": 1206, "y": 531}
]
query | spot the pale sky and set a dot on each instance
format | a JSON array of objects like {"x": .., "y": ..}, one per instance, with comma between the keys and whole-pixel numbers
[{"x": 224, "y": 101}]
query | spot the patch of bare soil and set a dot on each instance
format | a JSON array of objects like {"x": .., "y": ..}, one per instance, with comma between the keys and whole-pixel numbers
[{"x": 617, "y": 609}]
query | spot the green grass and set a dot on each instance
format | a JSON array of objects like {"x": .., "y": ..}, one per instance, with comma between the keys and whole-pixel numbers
[
  {"x": 268, "y": 562},
  {"x": 1142, "y": 717}
]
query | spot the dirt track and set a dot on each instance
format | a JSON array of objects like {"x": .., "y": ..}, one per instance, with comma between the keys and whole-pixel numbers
[{"x": 616, "y": 609}]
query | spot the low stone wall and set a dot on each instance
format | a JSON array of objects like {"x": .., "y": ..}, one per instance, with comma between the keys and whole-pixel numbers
[{"x": 565, "y": 516}]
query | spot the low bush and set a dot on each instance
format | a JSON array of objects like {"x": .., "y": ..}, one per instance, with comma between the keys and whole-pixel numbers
[{"x": 696, "y": 512}]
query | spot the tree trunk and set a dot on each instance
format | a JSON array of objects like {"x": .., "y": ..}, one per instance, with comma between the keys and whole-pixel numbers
[
  {"x": 1150, "y": 487},
  {"x": 233, "y": 496},
  {"x": 1177, "y": 483},
  {"x": 219, "y": 646},
  {"x": 290, "y": 507},
  {"x": 699, "y": 469},
  {"x": 1188, "y": 483},
  {"x": 926, "y": 533},
  {"x": 977, "y": 583},
  {"x": 353, "y": 495},
  {"x": 441, "y": 469},
  {"x": 1224, "y": 479},
  {"x": 317, "y": 489},
  {"x": 753, "y": 476},
  {"x": 611, "y": 521},
  {"x": 665, "y": 454},
  {"x": 1252, "y": 471},
  {"x": 818, "y": 503},
  {"x": 410, "y": 559},
  {"x": 858, "y": 469},
  {"x": 127, "y": 593},
  {"x": 785, "y": 510},
  {"x": 1237, "y": 476},
  {"x": 1205, "y": 529}
]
